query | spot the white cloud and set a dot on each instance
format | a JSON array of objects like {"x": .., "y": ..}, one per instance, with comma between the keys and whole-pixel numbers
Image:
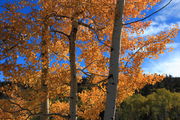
[
  {"x": 155, "y": 28},
  {"x": 173, "y": 45},
  {"x": 169, "y": 65},
  {"x": 171, "y": 11}
]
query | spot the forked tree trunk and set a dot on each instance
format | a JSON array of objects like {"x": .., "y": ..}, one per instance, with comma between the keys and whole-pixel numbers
[
  {"x": 110, "y": 106},
  {"x": 44, "y": 110},
  {"x": 73, "y": 91}
]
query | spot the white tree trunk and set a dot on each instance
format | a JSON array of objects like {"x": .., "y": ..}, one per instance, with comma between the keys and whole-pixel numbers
[
  {"x": 73, "y": 91},
  {"x": 110, "y": 106},
  {"x": 45, "y": 66}
]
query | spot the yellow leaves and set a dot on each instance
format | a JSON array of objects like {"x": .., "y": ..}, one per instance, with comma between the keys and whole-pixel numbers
[
  {"x": 84, "y": 34},
  {"x": 93, "y": 57},
  {"x": 58, "y": 82},
  {"x": 60, "y": 107},
  {"x": 129, "y": 83},
  {"x": 92, "y": 103},
  {"x": 32, "y": 57},
  {"x": 60, "y": 49},
  {"x": 152, "y": 79},
  {"x": 170, "y": 49}
]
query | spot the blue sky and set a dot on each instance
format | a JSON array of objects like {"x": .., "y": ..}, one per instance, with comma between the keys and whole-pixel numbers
[{"x": 168, "y": 63}]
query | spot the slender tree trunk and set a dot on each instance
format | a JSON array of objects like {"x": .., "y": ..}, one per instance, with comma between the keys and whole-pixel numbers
[
  {"x": 110, "y": 106},
  {"x": 45, "y": 66},
  {"x": 73, "y": 91}
]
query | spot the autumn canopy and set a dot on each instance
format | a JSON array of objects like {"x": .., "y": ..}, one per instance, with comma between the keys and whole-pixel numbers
[{"x": 46, "y": 43}]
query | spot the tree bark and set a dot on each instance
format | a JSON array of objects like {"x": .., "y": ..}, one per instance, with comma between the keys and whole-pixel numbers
[
  {"x": 44, "y": 110},
  {"x": 110, "y": 106},
  {"x": 73, "y": 91}
]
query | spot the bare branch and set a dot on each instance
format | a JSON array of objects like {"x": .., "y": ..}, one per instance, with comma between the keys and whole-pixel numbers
[
  {"x": 21, "y": 41},
  {"x": 89, "y": 73},
  {"x": 60, "y": 115},
  {"x": 86, "y": 25},
  {"x": 60, "y": 32},
  {"x": 21, "y": 108},
  {"x": 149, "y": 15},
  {"x": 17, "y": 111},
  {"x": 94, "y": 30},
  {"x": 30, "y": 113},
  {"x": 89, "y": 64},
  {"x": 95, "y": 23},
  {"x": 56, "y": 16}
]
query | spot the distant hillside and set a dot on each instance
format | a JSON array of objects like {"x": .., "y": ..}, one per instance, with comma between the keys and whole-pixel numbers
[{"x": 170, "y": 83}]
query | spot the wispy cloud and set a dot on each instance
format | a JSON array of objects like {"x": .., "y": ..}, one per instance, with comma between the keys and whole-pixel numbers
[
  {"x": 166, "y": 65},
  {"x": 171, "y": 11},
  {"x": 165, "y": 19},
  {"x": 173, "y": 45},
  {"x": 156, "y": 28}
]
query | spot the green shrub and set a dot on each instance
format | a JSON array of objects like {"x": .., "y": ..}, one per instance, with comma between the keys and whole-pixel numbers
[{"x": 160, "y": 105}]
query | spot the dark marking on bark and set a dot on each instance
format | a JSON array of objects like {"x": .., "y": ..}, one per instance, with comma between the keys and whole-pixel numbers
[
  {"x": 113, "y": 83},
  {"x": 44, "y": 85},
  {"x": 111, "y": 75},
  {"x": 101, "y": 115},
  {"x": 71, "y": 97},
  {"x": 75, "y": 29}
]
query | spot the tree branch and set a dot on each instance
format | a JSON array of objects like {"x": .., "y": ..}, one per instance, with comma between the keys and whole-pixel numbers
[
  {"x": 60, "y": 115},
  {"x": 89, "y": 64},
  {"x": 60, "y": 32},
  {"x": 89, "y": 73},
  {"x": 94, "y": 31},
  {"x": 30, "y": 113},
  {"x": 149, "y": 15},
  {"x": 56, "y": 16}
]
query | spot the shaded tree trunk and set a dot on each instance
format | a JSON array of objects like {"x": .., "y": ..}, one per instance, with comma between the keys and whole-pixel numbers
[
  {"x": 44, "y": 110},
  {"x": 73, "y": 91},
  {"x": 110, "y": 106}
]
